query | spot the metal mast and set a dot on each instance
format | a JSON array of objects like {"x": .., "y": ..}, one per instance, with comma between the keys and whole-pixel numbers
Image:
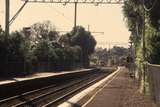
[{"x": 7, "y": 16}]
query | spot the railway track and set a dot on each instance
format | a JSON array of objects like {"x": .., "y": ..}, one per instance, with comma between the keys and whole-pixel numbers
[{"x": 52, "y": 95}]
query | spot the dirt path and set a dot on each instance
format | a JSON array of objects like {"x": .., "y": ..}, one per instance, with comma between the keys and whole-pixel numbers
[{"x": 121, "y": 92}]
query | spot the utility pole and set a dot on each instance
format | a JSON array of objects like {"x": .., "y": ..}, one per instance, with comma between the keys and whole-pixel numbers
[
  {"x": 7, "y": 18},
  {"x": 109, "y": 54},
  {"x": 144, "y": 50},
  {"x": 75, "y": 15},
  {"x": 88, "y": 28}
]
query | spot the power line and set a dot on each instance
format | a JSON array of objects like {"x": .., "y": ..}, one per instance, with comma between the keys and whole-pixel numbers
[
  {"x": 61, "y": 13},
  {"x": 64, "y": 2},
  {"x": 76, "y": 2}
]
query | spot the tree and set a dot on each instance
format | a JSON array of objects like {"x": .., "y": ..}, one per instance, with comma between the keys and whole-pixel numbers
[
  {"x": 153, "y": 49},
  {"x": 133, "y": 15},
  {"x": 119, "y": 51},
  {"x": 100, "y": 55},
  {"x": 1, "y": 30},
  {"x": 82, "y": 38},
  {"x": 148, "y": 13},
  {"x": 65, "y": 40},
  {"x": 44, "y": 30},
  {"x": 86, "y": 41},
  {"x": 14, "y": 51},
  {"x": 44, "y": 51},
  {"x": 153, "y": 14}
]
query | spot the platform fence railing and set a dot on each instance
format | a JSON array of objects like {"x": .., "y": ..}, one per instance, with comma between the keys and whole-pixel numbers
[{"x": 153, "y": 79}]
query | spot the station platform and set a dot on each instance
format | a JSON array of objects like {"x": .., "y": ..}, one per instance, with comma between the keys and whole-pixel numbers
[
  {"x": 37, "y": 76},
  {"x": 122, "y": 91}
]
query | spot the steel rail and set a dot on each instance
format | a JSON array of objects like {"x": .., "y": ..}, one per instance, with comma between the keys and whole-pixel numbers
[
  {"x": 48, "y": 93},
  {"x": 72, "y": 92},
  {"x": 24, "y": 94},
  {"x": 7, "y": 100},
  {"x": 40, "y": 94}
]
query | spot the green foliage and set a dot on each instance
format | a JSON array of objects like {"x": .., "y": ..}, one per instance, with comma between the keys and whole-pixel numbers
[
  {"x": 154, "y": 14},
  {"x": 100, "y": 55},
  {"x": 146, "y": 14},
  {"x": 86, "y": 41},
  {"x": 1, "y": 31},
  {"x": 65, "y": 40},
  {"x": 3, "y": 48},
  {"x": 82, "y": 38},
  {"x": 13, "y": 47},
  {"x": 103, "y": 56},
  {"x": 44, "y": 51},
  {"x": 45, "y": 30},
  {"x": 118, "y": 51},
  {"x": 14, "y": 51},
  {"x": 39, "y": 48},
  {"x": 153, "y": 45},
  {"x": 133, "y": 13}
]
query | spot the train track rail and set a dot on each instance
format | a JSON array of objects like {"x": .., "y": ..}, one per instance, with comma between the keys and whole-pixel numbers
[
  {"x": 52, "y": 95},
  {"x": 54, "y": 102}
]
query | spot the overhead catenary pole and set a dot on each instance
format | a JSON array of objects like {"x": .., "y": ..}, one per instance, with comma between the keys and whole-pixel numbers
[
  {"x": 109, "y": 54},
  {"x": 76, "y": 2},
  {"x": 7, "y": 18},
  {"x": 75, "y": 15},
  {"x": 88, "y": 28}
]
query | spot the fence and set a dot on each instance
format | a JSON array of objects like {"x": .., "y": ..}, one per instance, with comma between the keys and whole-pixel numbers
[{"x": 153, "y": 74}]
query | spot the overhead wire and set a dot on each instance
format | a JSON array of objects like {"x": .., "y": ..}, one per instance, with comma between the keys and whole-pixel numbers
[
  {"x": 21, "y": 8},
  {"x": 62, "y": 14}
]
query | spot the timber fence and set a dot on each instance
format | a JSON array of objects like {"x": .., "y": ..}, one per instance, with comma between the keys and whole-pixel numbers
[{"x": 153, "y": 74}]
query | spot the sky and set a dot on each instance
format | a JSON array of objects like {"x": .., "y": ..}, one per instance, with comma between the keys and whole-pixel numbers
[{"x": 105, "y": 18}]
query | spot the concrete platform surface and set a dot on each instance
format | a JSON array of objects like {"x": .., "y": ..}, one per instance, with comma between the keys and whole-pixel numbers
[{"x": 122, "y": 91}]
